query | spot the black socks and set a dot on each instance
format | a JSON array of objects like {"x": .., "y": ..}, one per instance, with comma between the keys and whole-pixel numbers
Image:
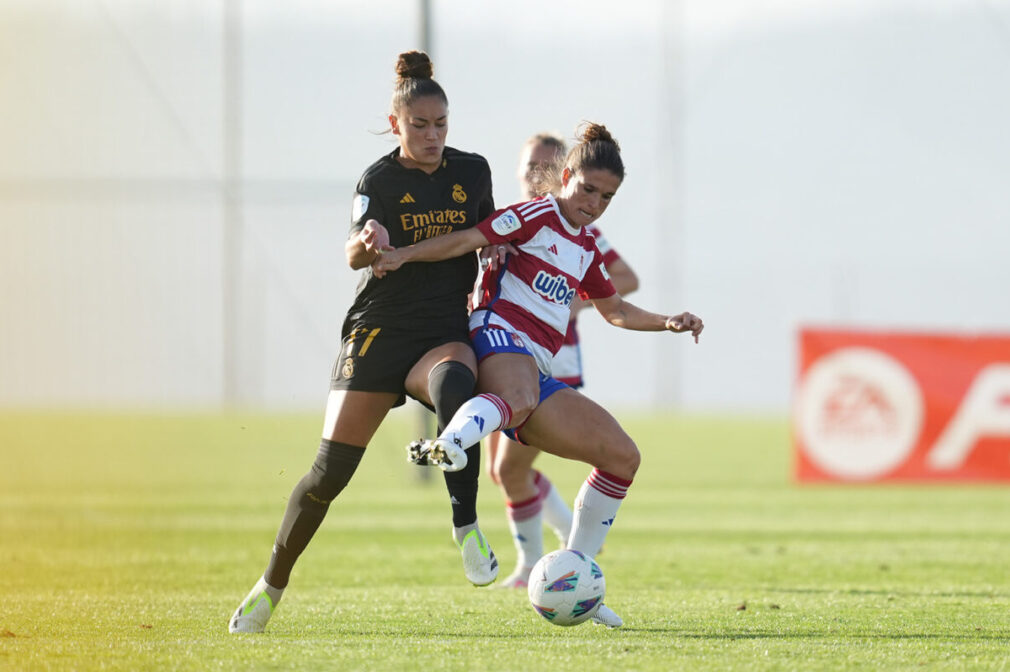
[
  {"x": 335, "y": 464},
  {"x": 449, "y": 385}
]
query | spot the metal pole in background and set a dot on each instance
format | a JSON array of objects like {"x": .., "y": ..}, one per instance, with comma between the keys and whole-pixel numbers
[
  {"x": 231, "y": 149},
  {"x": 670, "y": 218},
  {"x": 425, "y": 420},
  {"x": 424, "y": 28}
]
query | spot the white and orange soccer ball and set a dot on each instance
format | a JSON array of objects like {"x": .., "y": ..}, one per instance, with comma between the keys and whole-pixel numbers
[{"x": 566, "y": 587}]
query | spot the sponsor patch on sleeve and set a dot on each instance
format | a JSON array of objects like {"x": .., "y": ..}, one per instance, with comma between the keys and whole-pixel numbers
[
  {"x": 505, "y": 223},
  {"x": 359, "y": 207}
]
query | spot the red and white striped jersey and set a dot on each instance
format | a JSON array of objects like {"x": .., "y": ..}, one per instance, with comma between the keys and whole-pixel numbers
[
  {"x": 610, "y": 255},
  {"x": 533, "y": 290},
  {"x": 567, "y": 363}
]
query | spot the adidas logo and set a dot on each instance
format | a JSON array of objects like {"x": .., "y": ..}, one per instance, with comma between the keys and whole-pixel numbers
[
  {"x": 479, "y": 421},
  {"x": 407, "y": 198},
  {"x": 553, "y": 249},
  {"x": 453, "y": 500}
]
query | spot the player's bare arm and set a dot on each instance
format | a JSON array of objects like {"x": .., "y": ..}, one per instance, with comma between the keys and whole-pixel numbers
[
  {"x": 627, "y": 315},
  {"x": 433, "y": 249},
  {"x": 365, "y": 247}
]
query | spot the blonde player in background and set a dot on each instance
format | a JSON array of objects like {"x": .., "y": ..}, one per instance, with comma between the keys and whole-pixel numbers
[{"x": 530, "y": 498}]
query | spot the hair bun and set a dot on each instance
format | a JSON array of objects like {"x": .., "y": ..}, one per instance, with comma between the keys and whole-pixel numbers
[
  {"x": 591, "y": 131},
  {"x": 413, "y": 65}
]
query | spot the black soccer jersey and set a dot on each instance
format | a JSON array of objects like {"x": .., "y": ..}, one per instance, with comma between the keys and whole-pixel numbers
[{"x": 413, "y": 206}]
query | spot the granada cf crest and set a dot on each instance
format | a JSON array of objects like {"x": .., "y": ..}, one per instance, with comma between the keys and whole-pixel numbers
[
  {"x": 458, "y": 194},
  {"x": 348, "y": 370}
]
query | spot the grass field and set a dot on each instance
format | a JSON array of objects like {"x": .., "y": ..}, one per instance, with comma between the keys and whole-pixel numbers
[{"x": 127, "y": 541}]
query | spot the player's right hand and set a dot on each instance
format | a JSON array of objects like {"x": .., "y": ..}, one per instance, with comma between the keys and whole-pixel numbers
[
  {"x": 686, "y": 322},
  {"x": 493, "y": 256}
]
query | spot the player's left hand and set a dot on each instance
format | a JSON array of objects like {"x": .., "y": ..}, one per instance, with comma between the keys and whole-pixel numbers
[
  {"x": 493, "y": 256},
  {"x": 686, "y": 322},
  {"x": 389, "y": 260},
  {"x": 375, "y": 237}
]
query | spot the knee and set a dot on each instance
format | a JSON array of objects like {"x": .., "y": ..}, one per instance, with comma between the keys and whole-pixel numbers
[
  {"x": 623, "y": 459},
  {"x": 450, "y": 384},
  {"x": 634, "y": 459},
  {"x": 514, "y": 478},
  {"x": 492, "y": 471},
  {"x": 522, "y": 402},
  {"x": 334, "y": 465}
]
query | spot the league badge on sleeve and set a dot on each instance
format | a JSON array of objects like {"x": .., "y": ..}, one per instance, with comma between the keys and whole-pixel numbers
[
  {"x": 505, "y": 223},
  {"x": 359, "y": 207}
]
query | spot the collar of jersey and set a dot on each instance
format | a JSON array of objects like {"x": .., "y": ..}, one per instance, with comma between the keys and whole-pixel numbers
[
  {"x": 564, "y": 222},
  {"x": 396, "y": 152}
]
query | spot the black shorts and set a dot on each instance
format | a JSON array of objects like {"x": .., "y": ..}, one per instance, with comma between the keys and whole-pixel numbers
[{"x": 378, "y": 359}]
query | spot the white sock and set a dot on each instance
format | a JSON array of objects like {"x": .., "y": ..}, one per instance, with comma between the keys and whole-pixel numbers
[
  {"x": 596, "y": 507},
  {"x": 556, "y": 513},
  {"x": 274, "y": 593},
  {"x": 526, "y": 526},
  {"x": 476, "y": 418}
]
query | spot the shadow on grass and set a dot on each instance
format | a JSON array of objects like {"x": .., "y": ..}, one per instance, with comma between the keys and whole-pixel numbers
[
  {"x": 930, "y": 636},
  {"x": 895, "y": 593},
  {"x": 674, "y": 632}
]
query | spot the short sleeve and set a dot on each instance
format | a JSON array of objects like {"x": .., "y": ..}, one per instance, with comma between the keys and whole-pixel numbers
[
  {"x": 508, "y": 226},
  {"x": 365, "y": 206},
  {"x": 610, "y": 255},
  {"x": 596, "y": 284},
  {"x": 486, "y": 206}
]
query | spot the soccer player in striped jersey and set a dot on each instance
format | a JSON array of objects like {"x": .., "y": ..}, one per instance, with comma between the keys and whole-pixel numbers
[
  {"x": 520, "y": 323},
  {"x": 531, "y": 499}
]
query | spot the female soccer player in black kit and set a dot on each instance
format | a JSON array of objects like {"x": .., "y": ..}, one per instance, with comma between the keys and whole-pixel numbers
[{"x": 404, "y": 335}]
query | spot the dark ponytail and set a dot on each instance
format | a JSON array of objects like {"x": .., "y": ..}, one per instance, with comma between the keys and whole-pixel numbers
[{"x": 596, "y": 150}]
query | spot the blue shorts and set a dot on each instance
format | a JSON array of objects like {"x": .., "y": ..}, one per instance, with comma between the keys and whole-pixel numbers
[
  {"x": 492, "y": 340},
  {"x": 548, "y": 386}
]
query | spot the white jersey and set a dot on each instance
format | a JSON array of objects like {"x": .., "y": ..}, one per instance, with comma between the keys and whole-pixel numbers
[{"x": 533, "y": 290}]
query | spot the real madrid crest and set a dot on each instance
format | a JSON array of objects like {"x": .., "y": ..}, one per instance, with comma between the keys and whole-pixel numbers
[
  {"x": 348, "y": 370},
  {"x": 458, "y": 194}
]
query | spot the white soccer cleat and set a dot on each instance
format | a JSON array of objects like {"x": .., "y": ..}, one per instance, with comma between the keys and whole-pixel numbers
[
  {"x": 479, "y": 563},
  {"x": 445, "y": 453},
  {"x": 254, "y": 612},
  {"x": 606, "y": 616},
  {"x": 519, "y": 578}
]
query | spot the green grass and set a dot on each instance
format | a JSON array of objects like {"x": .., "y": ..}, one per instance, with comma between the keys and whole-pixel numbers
[{"x": 127, "y": 541}]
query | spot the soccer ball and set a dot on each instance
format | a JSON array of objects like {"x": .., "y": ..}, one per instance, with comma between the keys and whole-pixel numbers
[{"x": 566, "y": 587}]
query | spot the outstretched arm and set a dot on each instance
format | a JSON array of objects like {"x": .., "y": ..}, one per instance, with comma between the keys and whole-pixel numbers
[
  {"x": 621, "y": 313},
  {"x": 438, "y": 248}
]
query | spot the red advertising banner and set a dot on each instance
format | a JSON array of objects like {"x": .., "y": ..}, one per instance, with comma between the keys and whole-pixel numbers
[{"x": 894, "y": 406}]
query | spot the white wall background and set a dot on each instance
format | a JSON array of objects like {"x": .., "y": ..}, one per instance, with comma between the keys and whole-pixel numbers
[{"x": 789, "y": 162}]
